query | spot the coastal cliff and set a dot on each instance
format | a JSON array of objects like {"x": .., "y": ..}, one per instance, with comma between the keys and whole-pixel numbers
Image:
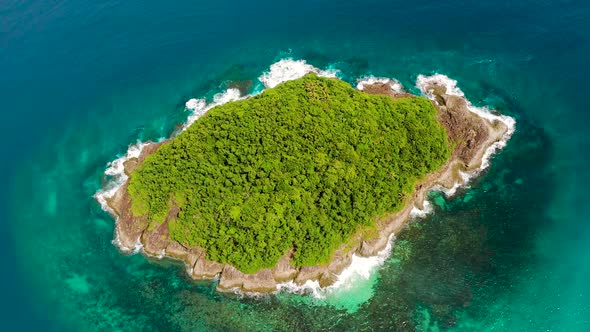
[{"x": 472, "y": 136}]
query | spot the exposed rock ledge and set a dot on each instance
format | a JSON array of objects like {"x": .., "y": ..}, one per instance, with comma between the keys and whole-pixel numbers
[{"x": 471, "y": 133}]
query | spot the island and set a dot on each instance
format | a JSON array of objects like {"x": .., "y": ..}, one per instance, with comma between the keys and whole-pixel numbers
[{"x": 289, "y": 184}]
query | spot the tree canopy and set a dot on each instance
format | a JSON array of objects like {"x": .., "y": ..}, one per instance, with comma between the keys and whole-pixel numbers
[{"x": 302, "y": 167}]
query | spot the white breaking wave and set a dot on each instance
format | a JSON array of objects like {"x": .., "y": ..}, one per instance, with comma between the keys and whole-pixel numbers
[
  {"x": 289, "y": 69},
  {"x": 116, "y": 176},
  {"x": 450, "y": 85},
  {"x": 227, "y": 96},
  {"x": 395, "y": 85},
  {"x": 199, "y": 107},
  {"x": 359, "y": 268},
  {"x": 195, "y": 104},
  {"x": 421, "y": 213}
]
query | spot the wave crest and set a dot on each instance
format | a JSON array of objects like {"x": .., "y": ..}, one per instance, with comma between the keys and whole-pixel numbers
[
  {"x": 115, "y": 175},
  {"x": 289, "y": 69},
  {"x": 359, "y": 268},
  {"x": 395, "y": 85}
]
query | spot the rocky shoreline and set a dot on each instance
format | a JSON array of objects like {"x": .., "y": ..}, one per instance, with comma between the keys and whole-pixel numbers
[{"x": 472, "y": 134}]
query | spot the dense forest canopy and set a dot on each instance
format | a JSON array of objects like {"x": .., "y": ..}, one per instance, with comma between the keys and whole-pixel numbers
[{"x": 302, "y": 166}]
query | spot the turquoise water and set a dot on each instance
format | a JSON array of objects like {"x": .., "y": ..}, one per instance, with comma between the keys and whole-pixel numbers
[{"x": 81, "y": 80}]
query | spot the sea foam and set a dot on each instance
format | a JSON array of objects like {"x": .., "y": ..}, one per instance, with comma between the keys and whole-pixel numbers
[
  {"x": 395, "y": 85},
  {"x": 289, "y": 69},
  {"x": 421, "y": 213},
  {"x": 115, "y": 175},
  {"x": 199, "y": 107},
  {"x": 359, "y": 268}
]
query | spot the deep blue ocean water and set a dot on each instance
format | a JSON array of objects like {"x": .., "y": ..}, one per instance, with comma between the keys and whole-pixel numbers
[{"x": 81, "y": 80}]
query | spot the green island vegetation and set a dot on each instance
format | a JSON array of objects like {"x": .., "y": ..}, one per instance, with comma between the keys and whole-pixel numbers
[{"x": 302, "y": 166}]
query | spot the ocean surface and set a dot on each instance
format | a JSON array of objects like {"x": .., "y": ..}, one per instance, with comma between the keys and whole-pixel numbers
[{"x": 81, "y": 81}]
